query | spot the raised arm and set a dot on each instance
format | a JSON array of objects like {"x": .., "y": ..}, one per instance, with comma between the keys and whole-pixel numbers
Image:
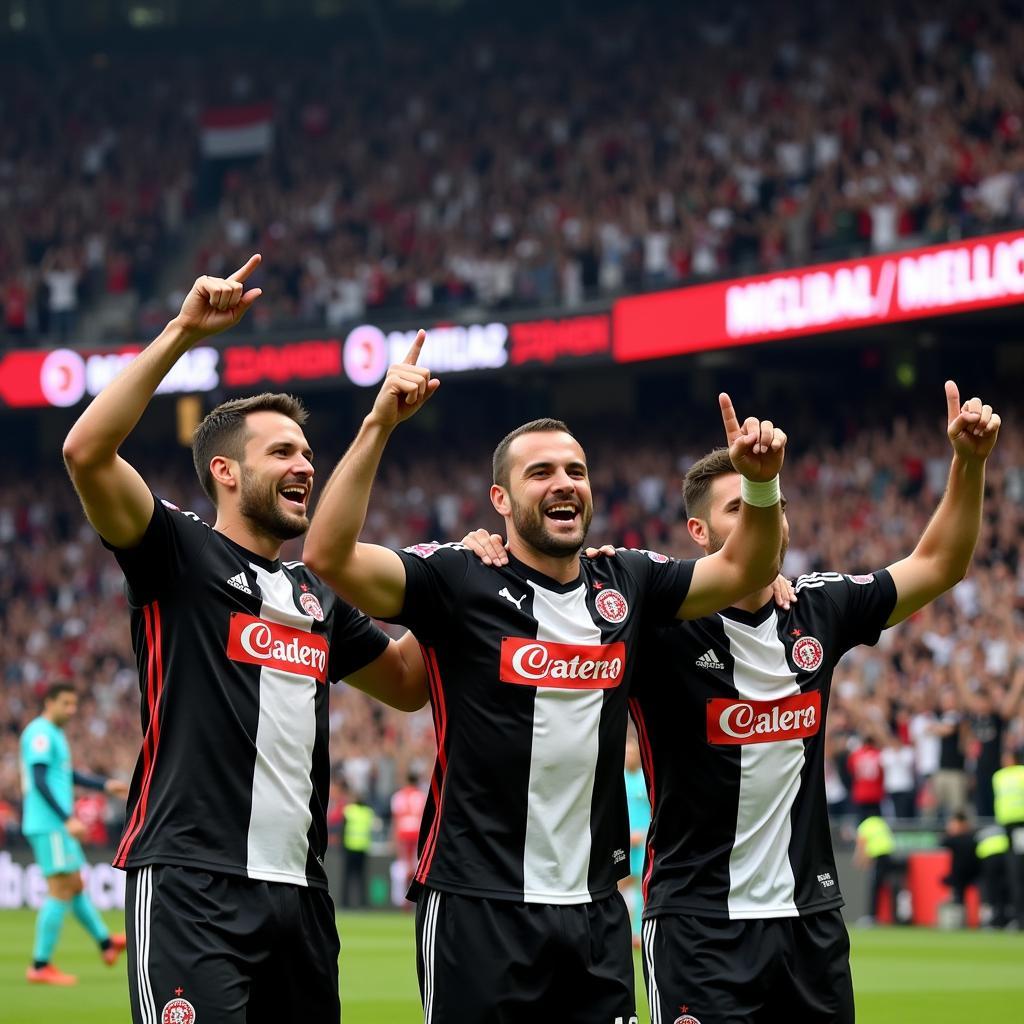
[
  {"x": 369, "y": 576},
  {"x": 115, "y": 497},
  {"x": 944, "y": 552},
  {"x": 750, "y": 557}
]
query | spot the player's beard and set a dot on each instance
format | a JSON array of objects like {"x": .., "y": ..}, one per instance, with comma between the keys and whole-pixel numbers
[
  {"x": 258, "y": 502},
  {"x": 717, "y": 542},
  {"x": 531, "y": 526}
]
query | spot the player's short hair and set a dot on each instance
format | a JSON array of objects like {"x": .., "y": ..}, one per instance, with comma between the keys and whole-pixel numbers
[
  {"x": 223, "y": 430},
  {"x": 54, "y": 690},
  {"x": 500, "y": 462},
  {"x": 697, "y": 482}
]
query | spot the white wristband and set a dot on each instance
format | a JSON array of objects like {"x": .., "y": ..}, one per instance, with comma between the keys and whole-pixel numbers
[{"x": 762, "y": 494}]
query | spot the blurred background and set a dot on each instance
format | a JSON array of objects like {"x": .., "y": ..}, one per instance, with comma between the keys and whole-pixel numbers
[{"x": 602, "y": 211}]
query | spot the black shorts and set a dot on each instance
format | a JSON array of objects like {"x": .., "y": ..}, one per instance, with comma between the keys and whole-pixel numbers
[
  {"x": 488, "y": 961},
  {"x": 207, "y": 948},
  {"x": 717, "y": 971}
]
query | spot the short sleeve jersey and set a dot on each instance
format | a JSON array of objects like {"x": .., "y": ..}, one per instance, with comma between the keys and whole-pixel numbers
[
  {"x": 528, "y": 684},
  {"x": 234, "y": 653},
  {"x": 44, "y": 743},
  {"x": 730, "y": 712}
]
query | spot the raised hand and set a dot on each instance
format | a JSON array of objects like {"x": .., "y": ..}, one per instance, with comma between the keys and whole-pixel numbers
[
  {"x": 406, "y": 388},
  {"x": 973, "y": 427},
  {"x": 216, "y": 303},
  {"x": 757, "y": 448}
]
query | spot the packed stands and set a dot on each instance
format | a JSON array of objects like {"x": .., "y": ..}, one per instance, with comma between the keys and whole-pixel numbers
[{"x": 498, "y": 167}]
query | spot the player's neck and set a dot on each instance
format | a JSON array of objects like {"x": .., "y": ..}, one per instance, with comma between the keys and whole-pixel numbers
[
  {"x": 561, "y": 569},
  {"x": 238, "y": 529},
  {"x": 755, "y": 601}
]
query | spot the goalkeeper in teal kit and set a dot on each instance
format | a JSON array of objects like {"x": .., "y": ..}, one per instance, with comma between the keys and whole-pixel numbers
[{"x": 53, "y": 832}]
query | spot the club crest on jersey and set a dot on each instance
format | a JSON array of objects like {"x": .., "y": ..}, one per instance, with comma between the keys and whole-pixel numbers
[
  {"x": 178, "y": 1011},
  {"x": 687, "y": 1018},
  {"x": 311, "y": 606},
  {"x": 611, "y": 606},
  {"x": 861, "y": 578},
  {"x": 808, "y": 654}
]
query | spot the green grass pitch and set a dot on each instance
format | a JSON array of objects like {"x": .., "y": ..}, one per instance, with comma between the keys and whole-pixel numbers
[{"x": 902, "y": 976}]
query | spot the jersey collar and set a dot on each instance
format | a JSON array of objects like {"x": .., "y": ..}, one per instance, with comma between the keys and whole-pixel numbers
[{"x": 522, "y": 569}]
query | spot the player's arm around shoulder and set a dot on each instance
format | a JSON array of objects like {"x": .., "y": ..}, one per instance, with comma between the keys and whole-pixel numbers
[
  {"x": 944, "y": 552},
  {"x": 750, "y": 557}
]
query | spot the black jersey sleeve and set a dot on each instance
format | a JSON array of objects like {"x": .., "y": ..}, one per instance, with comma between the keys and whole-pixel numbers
[
  {"x": 435, "y": 577},
  {"x": 863, "y": 603},
  {"x": 173, "y": 540},
  {"x": 356, "y": 640},
  {"x": 663, "y": 581}
]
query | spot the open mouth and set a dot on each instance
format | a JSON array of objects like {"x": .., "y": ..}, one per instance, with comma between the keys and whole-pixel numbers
[
  {"x": 295, "y": 495},
  {"x": 564, "y": 512}
]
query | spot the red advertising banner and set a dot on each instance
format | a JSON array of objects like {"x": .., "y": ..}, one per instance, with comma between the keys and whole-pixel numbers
[{"x": 952, "y": 278}]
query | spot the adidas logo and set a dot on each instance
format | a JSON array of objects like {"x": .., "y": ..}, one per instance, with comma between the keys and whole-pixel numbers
[
  {"x": 709, "y": 660},
  {"x": 239, "y": 582}
]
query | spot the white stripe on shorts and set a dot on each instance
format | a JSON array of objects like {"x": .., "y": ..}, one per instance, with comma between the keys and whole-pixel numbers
[
  {"x": 653, "y": 996},
  {"x": 143, "y": 917},
  {"x": 57, "y": 850},
  {"x": 428, "y": 943}
]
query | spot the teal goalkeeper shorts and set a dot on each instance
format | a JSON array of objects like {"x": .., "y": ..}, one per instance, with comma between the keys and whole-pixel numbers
[{"x": 57, "y": 853}]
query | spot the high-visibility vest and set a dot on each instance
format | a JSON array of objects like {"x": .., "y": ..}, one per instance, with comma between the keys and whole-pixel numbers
[
  {"x": 358, "y": 827},
  {"x": 992, "y": 841},
  {"x": 877, "y": 836},
  {"x": 1008, "y": 786}
]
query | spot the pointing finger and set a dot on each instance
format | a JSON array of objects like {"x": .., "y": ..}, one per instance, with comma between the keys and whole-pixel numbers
[
  {"x": 952, "y": 401},
  {"x": 417, "y": 347},
  {"x": 731, "y": 423},
  {"x": 243, "y": 272}
]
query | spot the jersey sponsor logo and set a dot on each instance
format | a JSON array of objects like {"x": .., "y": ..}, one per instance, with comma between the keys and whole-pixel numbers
[
  {"x": 739, "y": 722},
  {"x": 709, "y": 660},
  {"x": 311, "y": 606},
  {"x": 178, "y": 1011},
  {"x": 611, "y": 606},
  {"x": 239, "y": 582},
  {"x": 259, "y": 642},
  {"x": 563, "y": 666},
  {"x": 808, "y": 654}
]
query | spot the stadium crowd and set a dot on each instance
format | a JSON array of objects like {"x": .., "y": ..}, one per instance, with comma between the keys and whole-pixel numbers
[
  {"x": 932, "y": 704},
  {"x": 498, "y": 166}
]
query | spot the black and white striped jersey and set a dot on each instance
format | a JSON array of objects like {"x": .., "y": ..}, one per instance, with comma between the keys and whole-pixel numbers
[
  {"x": 528, "y": 684},
  {"x": 234, "y": 654},
  {"x": 730, "y": 712}
]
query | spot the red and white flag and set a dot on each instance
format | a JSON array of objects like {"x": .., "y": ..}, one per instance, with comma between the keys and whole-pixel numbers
[{"x": 237, "y": 131}]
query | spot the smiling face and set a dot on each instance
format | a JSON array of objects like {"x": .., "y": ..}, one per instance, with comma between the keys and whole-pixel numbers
[
  {"x": 275, "y": 476},
  {"x": 547, "y": 503}
]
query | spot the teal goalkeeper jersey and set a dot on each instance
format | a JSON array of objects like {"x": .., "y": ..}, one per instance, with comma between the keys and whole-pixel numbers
[
  {"x": 42, "y": 742},
  {"x": 636, "y": 800}
]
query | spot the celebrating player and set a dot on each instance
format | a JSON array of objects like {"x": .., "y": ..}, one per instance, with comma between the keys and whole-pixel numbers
[
  {"x": 742, "y": 916},
  {"x": 742, "y": 901},
  {"x": 524, "y": 836},
  {"x": 229, "y": 915},
  {"x": 53, "y": 832}
]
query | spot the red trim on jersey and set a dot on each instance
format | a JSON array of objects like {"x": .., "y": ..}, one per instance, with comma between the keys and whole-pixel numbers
[
  {"x": 647, "y": 762},
  {"x": 154, "y": 689},
  {"x": 437, "y": 779}
]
